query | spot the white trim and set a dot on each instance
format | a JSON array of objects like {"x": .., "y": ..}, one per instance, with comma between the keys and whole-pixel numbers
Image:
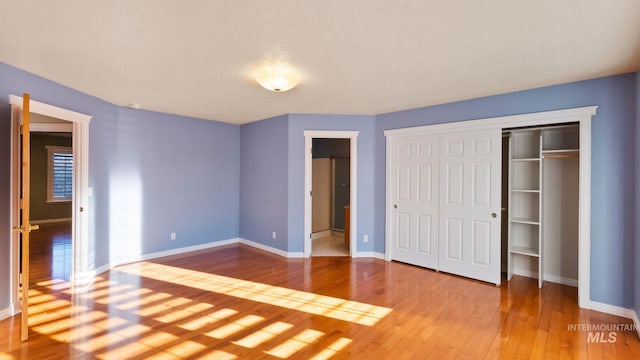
[
  {"x": 611, "y": 309},
  {"x": 547, "y": 277},
  {"x": 636, "y": 321},
  {"x": 51, "y": 127},
  {"x": 289, "y": 255},
  {"x": 175, "y": 251},
  {"x": 581, "y": 115},
  {"x": 80, "y": 222},
  {"x": 309, "y": 135},
  {"x": 51, "y": 111},
  {"x": 14, "y": 212},
  {"x": 182, "y": 250},
  {"x": 388, "y": 201},
  {"x": 369, "y": 254},
  {"x": 51, "y": 221},
  {"x": 584, "y": 213},
  {"x": 101, "y": 269},
  {"x": 530, "y": 119},
  {"x": 321, "y": 234},
  {"x": 561, "y": 280},
  {"x": 5, "y": 313}
]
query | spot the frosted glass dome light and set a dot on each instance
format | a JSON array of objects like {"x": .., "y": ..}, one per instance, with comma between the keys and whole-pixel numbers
[{"x": 277, "y": 77}]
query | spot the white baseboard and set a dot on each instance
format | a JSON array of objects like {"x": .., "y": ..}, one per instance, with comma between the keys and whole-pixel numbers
[
  {"x": 611, "y": 309},
  {"x": 171, "y": 252},
  {"x": 291, "y": 255},
  {"x": 5, "y": 313},
  {"x": 636, "y": 322},
  {"x": 561, "y": 280},
  {"x": 160, "y": 254},
  {"x": 320, "y": 234},
  {"x": 547, "y": 277},
  {"x": 103, "y": 268},
  {"x": 50, "y": 221},
  {"x": 368, "y": 254}
]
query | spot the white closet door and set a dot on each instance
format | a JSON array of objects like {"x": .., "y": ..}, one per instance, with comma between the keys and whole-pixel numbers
[
  {"x": 470, "y": 171},
  {"x": 414, "y": 216}
]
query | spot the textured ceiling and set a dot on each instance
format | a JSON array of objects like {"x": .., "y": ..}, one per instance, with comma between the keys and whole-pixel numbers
[{"x": 357, "y": 57}]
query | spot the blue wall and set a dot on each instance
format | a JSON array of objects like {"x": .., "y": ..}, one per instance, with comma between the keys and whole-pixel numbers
[
  {"x": 365, "y": 125},
  {"x": 636, "y": 280},
  {"x": 155, "y": 173},
  {"x": 272, "y": 177},
  {"x": 612, "y": 215},
  {"x": 264, "y": 182},
  {"x": 152, "y": 174},
  {"x": 160, "y": 174}
]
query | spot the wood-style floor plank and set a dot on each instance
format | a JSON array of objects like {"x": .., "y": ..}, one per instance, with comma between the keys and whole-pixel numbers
[{"x": 236, "y": 302}]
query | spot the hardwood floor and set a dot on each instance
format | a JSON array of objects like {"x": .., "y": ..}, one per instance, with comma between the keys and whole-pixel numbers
[{"x": 239, "y": 302}]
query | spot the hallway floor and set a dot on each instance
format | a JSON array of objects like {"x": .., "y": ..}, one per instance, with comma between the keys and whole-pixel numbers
[{"x": 329, "y": 246}]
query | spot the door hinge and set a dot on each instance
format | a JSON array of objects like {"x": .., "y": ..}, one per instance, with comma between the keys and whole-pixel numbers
[{"x": 21, "y": 204}]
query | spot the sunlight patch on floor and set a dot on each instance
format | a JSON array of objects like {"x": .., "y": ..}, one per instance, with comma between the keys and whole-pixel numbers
[
  {"x": 296, "y": 343},
  {"x": 332, "y": 349},
  {"x": 341, "y": 309},
  {"x": 265, "y": 334},
  {"x": 130, "y": 325}
]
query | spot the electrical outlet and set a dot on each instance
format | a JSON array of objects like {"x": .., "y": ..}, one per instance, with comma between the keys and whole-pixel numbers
[
  {"x": 365, "y": 238},
  {"x": 173, "y": 236},
  {"x": 273, "y": 235}
]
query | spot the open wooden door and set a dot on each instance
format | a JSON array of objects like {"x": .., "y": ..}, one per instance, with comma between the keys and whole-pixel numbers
[{"x": 25, "y": 223}]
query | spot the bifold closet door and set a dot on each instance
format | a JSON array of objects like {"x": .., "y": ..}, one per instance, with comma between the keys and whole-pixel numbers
[
  {"x": 415, "y": 199},
  {"x": 470, "y": 170}
]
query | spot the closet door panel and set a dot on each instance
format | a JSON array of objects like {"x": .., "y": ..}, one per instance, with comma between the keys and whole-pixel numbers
[
  {"x": 453, "y": 239},
  {"x": 415, "y": 198},
  {"x": 470, "y": 211}
]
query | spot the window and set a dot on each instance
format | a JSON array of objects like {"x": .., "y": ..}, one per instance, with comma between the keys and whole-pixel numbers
[{"x": 60, "y": 174}]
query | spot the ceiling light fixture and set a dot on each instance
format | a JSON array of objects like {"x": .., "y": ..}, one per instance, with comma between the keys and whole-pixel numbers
[{"x": 277, "y": 77}]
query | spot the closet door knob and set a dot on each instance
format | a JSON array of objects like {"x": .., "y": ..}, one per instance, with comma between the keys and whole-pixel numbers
[
  {"x": 494, "y": 215},
  {"x": 395, "y": 206}
]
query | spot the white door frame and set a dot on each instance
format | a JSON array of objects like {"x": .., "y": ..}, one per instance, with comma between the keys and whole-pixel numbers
[
  {"x": 309, "y": 135},
  {"x": 80, "y": 273},
  {"x": 580, "y": 115}
]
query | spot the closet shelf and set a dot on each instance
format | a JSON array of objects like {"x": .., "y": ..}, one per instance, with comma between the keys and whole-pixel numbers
[
  {"x": 561, "y": 151},
  {"x": 526, "y": 159},
  {"x": 523, "y": 250},
  {"x": 525, "y": 221}
]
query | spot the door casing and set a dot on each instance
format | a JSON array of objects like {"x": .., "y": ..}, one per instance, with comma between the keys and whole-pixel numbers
[
  {"x": 309, "y": 135},
  {"x": 80, "y": 273}
]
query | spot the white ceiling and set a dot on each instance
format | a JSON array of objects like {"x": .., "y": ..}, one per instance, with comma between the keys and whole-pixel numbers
[{"x": 357, "y": 56}]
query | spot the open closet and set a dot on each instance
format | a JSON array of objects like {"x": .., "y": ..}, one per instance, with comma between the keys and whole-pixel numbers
[
  {"x": 543, "y": 203},
  {"x": 454, "y": 205}
]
